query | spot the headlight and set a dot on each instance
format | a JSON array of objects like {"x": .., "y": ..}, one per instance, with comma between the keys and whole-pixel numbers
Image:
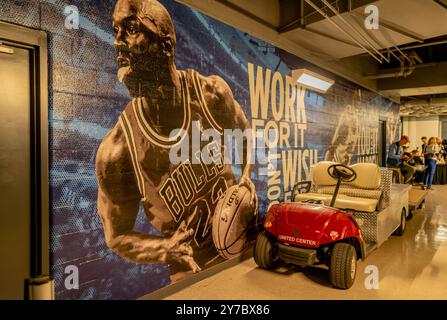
[{"x": 269, "y": 220}]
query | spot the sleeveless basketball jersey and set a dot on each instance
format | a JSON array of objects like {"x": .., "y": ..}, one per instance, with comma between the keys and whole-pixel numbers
[{"x": 174, "y": 193}]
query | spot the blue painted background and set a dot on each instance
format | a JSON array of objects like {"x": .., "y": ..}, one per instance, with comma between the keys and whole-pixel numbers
[{"x": 86, "y": 100}]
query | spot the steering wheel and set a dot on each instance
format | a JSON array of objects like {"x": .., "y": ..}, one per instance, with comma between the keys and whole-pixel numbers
[{"x": 342, "y": 172}]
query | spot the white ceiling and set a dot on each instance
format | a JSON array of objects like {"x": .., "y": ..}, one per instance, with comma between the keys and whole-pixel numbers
[
  {"x": 324, "y": 45},
  {"x": 423, "y": 18},
  {"x": 267, "y": 10}
]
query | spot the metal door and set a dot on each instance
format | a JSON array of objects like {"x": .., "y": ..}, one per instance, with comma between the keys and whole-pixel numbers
[
  {"x": 15, "y": 170},
  {"x": 23, "y": 158}
]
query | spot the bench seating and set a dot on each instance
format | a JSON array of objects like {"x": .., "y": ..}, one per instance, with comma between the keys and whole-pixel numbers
[
  {"x": 342, "y": 201},
  {"x": 363, "y": 194}
]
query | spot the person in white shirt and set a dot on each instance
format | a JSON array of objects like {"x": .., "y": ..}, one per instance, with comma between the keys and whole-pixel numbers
[{"x": 432, "y": 152}]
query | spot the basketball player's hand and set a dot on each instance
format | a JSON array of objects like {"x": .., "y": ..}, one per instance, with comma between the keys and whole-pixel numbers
[
  {"x": 179, "y": 250},
  {"x": 246, "y": 182}
]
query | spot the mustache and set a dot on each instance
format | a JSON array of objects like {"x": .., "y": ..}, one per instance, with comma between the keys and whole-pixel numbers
[
  {"x": 124, "y": 58},
  {"x": 123, "y": 61},
  {"x": 123, "y": 52}
]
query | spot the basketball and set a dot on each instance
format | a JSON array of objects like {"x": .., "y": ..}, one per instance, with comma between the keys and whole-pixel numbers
[{"x": 232, "y": 217}]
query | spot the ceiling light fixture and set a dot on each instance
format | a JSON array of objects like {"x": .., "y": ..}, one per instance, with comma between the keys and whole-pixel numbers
[{"x": 312, "y": 80}]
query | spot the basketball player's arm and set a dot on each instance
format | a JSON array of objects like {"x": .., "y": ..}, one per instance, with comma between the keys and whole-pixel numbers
[
  {"x": 243, "y": 124},
  {"x": 118, "y": 204},
  {"x": 231, "y": 116}
]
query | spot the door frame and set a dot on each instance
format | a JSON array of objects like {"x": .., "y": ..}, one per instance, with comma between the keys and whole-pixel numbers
[
  {"x": 37, "y": 43},
  {"x": 384, "y": 149}
]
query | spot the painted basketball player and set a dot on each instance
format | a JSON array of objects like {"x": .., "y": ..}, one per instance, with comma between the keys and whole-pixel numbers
[
  {"x": 132, "y": 163},
  {"x": 346, "y": 135}
]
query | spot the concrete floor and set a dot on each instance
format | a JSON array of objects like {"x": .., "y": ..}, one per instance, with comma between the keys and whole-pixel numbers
[{"x": 413, "y": 266}]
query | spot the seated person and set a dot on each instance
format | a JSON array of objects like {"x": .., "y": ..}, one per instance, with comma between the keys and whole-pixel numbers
[
  {"x": 407, "y": 155},
  {"x": 397, "y": 159},
  {"x": 406, "y": 151},
  {"x": 417, "y": 161}
]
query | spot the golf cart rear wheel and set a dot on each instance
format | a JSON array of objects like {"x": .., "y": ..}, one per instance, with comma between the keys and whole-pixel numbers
[
  {"x": 343, "y": 266},
  {"x": 410, "y": 214},
  {"x": 264, "y": 252},
  {"x": 422, "y": 205},
  {"x": 403, "y": 224}
]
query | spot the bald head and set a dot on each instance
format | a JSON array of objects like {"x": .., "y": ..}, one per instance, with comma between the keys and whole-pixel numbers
[
  {"x": 151, "y": 13},
  {"x": 144, "y": 39}
]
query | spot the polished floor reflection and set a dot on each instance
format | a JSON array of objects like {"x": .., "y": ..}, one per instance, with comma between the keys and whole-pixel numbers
[{"x": 413, "y": 266}]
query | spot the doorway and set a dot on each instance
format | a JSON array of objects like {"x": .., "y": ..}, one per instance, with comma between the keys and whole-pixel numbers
[{"x": 23, "y": 158}]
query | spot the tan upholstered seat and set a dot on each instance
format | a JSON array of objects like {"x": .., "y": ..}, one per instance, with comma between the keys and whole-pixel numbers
[
  {"x": 314, "y": 196},
  {"x": 342, "y": 202},
  {"x": 362, "y": 194},
  {"x": 351, "y": 191}
]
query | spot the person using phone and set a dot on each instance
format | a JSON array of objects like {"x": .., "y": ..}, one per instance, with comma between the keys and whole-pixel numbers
[{"x": 398, "y": 159}]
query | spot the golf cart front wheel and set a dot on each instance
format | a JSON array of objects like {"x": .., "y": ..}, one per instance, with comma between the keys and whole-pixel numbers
[
  {"x": 343, "y": 266},
  {"x": 264, "y": 252}
]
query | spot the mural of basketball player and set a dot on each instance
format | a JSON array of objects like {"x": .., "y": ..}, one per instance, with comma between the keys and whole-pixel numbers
[
  {"x": 392, "y": 126},
  {"x": 345, "y": 137},
  {"x": 132, "y": 162},
  {"x": 347, "y": 134}
]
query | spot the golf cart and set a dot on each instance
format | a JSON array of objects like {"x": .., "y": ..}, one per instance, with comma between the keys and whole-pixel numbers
[{"x": 340, "y": 216}]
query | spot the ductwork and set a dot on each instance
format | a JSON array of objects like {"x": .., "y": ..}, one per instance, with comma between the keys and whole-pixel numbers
[
  {"x": 401, "y": 73},
  {"x": 404, "y": 71}
]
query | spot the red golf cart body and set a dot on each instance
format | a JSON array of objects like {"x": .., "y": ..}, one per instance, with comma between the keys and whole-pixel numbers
[
  {"x": 311, "y": 226},
  {"x": 308, "y": 231}
]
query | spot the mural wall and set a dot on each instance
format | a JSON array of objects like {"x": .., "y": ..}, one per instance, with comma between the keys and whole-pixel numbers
[{"x": 122, "y": 214}]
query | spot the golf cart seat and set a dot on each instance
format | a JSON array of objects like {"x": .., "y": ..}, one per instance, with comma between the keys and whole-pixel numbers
[{"x": 363, "y": 194}]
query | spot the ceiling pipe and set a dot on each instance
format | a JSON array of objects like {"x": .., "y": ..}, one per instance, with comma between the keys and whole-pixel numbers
[
  {"x": 416, "y": 46},
  {"x": 428, "y": 44},
  {"x": 355, "y": 30},
  {"x": 389, "y": 51},
  {"x": 399, "y": 72},
  {"x": 403, "y": 71},
  {"x": 316, "y": 8},
  {"x": 402, "y": 54},
  {"x": 414, "y": 59}
]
